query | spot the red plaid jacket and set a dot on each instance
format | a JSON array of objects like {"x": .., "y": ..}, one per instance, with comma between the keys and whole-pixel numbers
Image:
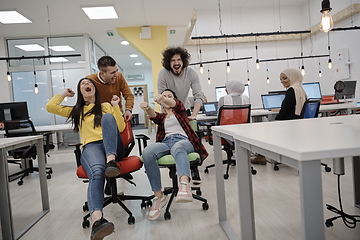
[{"x": 180, "y": 114}]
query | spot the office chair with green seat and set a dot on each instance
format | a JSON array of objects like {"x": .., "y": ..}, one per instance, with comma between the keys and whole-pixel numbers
[
  {"x": 127, "y": 164},
  {"x": 228, "y": 115},
  {"x": 26, "y": 155},
  {"x": 168, "y": 161}
]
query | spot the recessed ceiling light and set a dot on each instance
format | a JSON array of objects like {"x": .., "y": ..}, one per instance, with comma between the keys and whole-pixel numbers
[
  {"x": 30, "y": 47},
  {"x": 138, "y": 63},
  {"x": 107, "y": 12},
  {"x": 124, "y": 42},
  {"x": 134, "y": 55},
  {"x": 62, "y": 48},
  {"x": 9, "y": 17},
  {"x": 58, "y": 59}
]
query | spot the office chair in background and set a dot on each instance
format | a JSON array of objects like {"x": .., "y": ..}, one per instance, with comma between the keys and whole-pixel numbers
[
  {"x": 20, "y": 128},
  {"x": 310, "y": 110},
  {"x": 228, "y": 115},
  {"x": 168, "y": 161},
  {"x": 127, "y": 164}
]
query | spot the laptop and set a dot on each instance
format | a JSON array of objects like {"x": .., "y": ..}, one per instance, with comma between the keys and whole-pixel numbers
[
  {"x": 271, "y": 101},
  {"x": 210, "y": 108}
]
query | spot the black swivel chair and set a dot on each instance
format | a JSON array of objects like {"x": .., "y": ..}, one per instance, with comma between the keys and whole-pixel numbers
[{"x": 24, "y": 156}]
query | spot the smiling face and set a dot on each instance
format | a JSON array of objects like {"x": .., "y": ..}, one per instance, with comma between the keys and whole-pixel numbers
[
  {"x": 176, "y": 64},
  {"x": 109, "y": 74},
  {"x": 87, "y": 89},
  {"x": 285, "y": 81}
]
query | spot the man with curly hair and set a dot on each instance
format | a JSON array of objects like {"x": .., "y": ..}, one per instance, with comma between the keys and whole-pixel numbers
[{"x": 178, "y": 77}]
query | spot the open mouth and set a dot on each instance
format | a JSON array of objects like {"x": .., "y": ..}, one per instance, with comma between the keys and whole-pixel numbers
[{"x": 88, "y": 89}]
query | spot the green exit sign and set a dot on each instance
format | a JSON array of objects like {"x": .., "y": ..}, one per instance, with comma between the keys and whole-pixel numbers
[{"x": 172, "y": 31}]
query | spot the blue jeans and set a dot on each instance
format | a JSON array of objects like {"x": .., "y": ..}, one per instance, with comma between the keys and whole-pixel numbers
[
  {"x": 93, "y": 160},
  {"x": 178, "y": 146}
]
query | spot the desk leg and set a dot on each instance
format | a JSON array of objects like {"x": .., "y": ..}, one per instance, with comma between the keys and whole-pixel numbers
[
  {"x": 245, "y": 192},
  {"x": 5, "y": 207},
  {"x": 312, "y": 212},
  {"x": 42, "y": 175},
  {"x": 356, "y": 176}
]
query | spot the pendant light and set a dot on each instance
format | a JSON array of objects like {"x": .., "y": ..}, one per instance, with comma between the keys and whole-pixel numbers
[
  {"x": 320, "y": 74},
  {"x": 329, "y": 62},
  {"x": 257, "y": 64},
  {"x": 302, "y": 59},
  {"x": 209, "y": 81},
  {"x": 248, "y": 73},
  {"x": 267, "y": 73},
  {"x": 227, "y": 58},
  {"x": 36, "y": 89},
  {"x": 326, "y": 22}
]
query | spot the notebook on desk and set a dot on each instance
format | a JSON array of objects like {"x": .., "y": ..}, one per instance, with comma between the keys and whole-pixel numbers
[
  {"x": 272, "y": 101},
  {"x": 210, "y": 108}
]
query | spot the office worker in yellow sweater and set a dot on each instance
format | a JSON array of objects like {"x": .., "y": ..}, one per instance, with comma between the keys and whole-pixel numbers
[
  {"x": 109, "y": 81},
  {"x": 99, "y": 126}
]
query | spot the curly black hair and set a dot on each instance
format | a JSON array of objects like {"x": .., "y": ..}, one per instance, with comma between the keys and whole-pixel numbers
[
  {"x": 169, "y": 52},
  {"x": 174, "y": 94}
]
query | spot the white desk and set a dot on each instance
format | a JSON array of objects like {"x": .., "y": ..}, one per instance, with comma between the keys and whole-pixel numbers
[
  {"x": 300, "y": 144},
  {"x": 49, "y": 128},
  {"x": 7, "y": 144},
  {"x": 348, "y": 107}
]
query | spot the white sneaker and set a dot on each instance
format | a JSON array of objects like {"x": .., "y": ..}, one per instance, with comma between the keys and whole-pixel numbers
[
  {"x": 184, "y": 194},
  {"x": 157, "y": 205}
]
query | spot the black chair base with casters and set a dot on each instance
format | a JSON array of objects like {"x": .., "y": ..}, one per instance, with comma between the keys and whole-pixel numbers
[{"x": 24, "y": 156}]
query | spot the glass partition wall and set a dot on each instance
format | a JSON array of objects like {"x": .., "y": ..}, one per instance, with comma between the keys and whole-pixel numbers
[{"x": 50, "y": 75}]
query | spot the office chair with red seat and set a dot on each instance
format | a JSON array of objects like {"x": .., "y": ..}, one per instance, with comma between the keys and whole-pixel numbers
[
  {"x": 127, "y": 164},
  {"x": 228, "y": 115}
]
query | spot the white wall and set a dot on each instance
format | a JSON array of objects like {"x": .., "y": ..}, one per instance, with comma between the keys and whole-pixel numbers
[{"x": 208, "y": 23}]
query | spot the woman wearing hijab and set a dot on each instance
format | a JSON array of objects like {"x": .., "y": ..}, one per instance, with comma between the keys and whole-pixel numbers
[
  {"x": 234, "y": 89},
  {"x": 295, "y": 96}
]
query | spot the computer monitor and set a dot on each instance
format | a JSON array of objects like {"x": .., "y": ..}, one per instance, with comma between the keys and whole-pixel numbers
[
  {"x": 220, "y": 92},
  {"x": 350, "y": 87},
  {"x": 271, "y": 101},
  {"x": 277, "y": 92},
  {"x": 210, "y": 108},
  {"x": 13, "y": 111},
  {"x": 312, "y": 90}
]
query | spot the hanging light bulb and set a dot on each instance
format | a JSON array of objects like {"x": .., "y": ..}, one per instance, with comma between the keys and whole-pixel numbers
[
  {"x": 303, "y": 70},
  {"x": 326, "y": 22},
  {"x": 257, "y": 64},
  {"x": 267, "y": 79},
  {"x": 228, "y": 67},
  {"x": 201, "y": 68},
  {"x": 209, "y": 82},
  {"x": 248, "y": 81},
  {"x": 36, "y": 89},
  {"x": 320, "y": 74},
  {"x": 8, "y": 76},
  {"x": 329, "y": 64}
]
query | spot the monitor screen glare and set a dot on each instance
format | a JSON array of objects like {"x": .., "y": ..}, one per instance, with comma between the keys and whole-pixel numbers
[{"x": 312, "y": 90}]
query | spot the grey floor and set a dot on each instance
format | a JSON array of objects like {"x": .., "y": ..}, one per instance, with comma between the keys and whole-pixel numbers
[{"x": 276, "y": 200}]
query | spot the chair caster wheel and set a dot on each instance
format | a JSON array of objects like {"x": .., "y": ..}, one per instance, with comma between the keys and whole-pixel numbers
[
  {"x": 48, "y": 176},
  {"x": 253, "y": 172},
  {"x": 167, "y": 216},
  {"x": 149, "y": 203},
  {"x": 226, "y": 176},
  {"x": 276, "y": 168},
  {"x": 205, "y": 206},
  {"x": 206, "y": 171},
  {"x": 143, "y": 205},
  {"x": 50, "y": 171},
  {"x": 20, "y": 182},
  {"x": 198, "y": 193},
  {"x": 85, "y": 207},
  {"x": 86, "y": 224},
  {"x": 131, "y": 220},
  {"x": 327, "y": 169}
]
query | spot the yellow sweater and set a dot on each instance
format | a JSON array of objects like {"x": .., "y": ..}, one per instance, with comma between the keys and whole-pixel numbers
[{"x": 87, "y": 131}]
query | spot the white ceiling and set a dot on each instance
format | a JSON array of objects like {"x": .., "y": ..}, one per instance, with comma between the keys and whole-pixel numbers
[{"x": 67, "y": 17}]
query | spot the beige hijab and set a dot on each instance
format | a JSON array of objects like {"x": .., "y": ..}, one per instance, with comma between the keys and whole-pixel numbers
[
  {"x": 235, "y": 88},
  {"x": 295, "y": 77}
]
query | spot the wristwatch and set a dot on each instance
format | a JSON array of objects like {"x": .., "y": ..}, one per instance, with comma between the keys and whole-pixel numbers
[{"x": 128, "y": 110}]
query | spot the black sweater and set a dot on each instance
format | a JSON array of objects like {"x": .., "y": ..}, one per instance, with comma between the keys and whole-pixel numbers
[{"x": 287, "y": 111}]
